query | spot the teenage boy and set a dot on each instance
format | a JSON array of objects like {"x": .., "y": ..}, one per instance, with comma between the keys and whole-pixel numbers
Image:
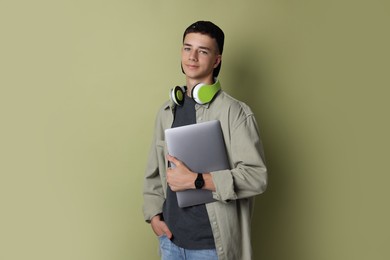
[{"x": 221, "y": 229}]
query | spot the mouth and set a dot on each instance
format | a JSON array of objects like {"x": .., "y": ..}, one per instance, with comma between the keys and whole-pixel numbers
[{"x": 190, "y": 66}]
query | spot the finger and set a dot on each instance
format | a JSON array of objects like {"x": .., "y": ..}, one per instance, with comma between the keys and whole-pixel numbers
[
  {"x": 173, "y": 188},
  {"x": 173, "y": 160},
  {"x": 160, "y": 228},
  {"x": 170, "y": 158},
  {"x": 157, "y": 230},
  {"x": 167, "y": 232}
]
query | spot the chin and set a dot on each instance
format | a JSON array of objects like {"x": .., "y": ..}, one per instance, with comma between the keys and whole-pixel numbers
[{"x": 191, "y": 75}]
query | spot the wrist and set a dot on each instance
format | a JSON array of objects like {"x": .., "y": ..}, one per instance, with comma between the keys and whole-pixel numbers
[
  {"x": 156, "y": 218},
  {"x": 199, "y": 181}
]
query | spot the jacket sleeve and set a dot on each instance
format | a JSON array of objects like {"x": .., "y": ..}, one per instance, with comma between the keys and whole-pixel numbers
[
  {"x": 248, "y": 176},
  {"x": 153, "y": 190}
]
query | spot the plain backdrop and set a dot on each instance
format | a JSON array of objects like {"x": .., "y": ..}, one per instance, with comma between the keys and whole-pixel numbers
[{"x": 81, "y": 82}]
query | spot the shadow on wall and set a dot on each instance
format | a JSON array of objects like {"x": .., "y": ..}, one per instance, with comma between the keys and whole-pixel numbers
[{"x": 252, "y": 83}]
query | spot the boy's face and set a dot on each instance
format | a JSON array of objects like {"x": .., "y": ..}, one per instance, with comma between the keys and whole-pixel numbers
[{"x": 199, "y": 57}]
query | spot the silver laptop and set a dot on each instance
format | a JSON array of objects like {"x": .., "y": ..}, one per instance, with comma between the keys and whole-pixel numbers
[{"x": 202, "y": 148}]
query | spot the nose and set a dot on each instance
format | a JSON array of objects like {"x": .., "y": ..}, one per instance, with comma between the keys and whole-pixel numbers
[{"x": 193, "y": 55}]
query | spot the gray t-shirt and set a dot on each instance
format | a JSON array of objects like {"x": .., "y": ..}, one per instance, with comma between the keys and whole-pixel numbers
[{"x": 190, "y": 226}]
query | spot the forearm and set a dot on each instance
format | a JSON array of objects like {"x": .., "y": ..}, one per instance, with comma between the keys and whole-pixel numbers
[
  {"x": 153, "y": 192},
  {"x": 181, "y": 178},
  {"x": 186, "y": 181}
]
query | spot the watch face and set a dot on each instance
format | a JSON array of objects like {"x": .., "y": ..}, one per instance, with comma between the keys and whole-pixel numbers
[{"x": 199, "y": 182}]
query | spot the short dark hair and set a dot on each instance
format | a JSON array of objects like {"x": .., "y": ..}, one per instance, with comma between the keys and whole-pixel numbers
[{"x": 212, "y": 30}]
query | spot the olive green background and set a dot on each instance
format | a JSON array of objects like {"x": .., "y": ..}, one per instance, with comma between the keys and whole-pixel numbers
[{"x": 81, "y": 82}]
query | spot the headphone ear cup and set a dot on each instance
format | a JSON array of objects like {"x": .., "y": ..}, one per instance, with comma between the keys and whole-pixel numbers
[
  {"x": 177, "y": 95},
  {"x": 195, "y": 93},
  {"x": 203, "y": 93}
]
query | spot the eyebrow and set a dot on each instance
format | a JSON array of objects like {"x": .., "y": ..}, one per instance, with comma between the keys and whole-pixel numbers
[{"x": 200, "y": 47}]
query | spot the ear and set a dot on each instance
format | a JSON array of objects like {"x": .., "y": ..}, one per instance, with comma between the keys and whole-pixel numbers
[{"x": 218, "y": 60}]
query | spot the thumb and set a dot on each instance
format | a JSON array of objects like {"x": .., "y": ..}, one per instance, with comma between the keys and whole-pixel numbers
[{"x": 173, "y": 160}]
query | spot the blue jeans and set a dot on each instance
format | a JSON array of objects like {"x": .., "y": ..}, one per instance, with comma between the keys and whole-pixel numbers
[{"x": 170, "y": 251}]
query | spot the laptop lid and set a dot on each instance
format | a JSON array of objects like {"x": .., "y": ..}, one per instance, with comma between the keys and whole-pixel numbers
[{"x": 202, "y": 148}]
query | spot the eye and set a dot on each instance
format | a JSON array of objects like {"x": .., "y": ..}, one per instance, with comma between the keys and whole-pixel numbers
[
  {"x": 186, "y": 48},
  {"x": 203, "y": 52}
]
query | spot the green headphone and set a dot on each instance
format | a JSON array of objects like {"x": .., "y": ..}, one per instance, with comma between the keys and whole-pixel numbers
[{"x": 201, "y": 93}]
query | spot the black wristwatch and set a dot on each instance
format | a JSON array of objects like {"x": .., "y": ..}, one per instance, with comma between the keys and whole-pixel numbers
[{"x": 199, "y": 182}]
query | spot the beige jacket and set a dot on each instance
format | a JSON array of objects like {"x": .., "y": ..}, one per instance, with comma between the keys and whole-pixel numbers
[{"x": 230, "y": 215}]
